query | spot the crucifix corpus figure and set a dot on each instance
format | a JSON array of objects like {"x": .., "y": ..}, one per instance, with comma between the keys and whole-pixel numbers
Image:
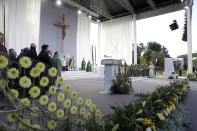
[{"x": 64, "y": 27}]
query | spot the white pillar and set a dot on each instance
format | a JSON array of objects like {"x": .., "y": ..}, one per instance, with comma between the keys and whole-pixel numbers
[
  {"x": 189, "y": 40},
  {"x": 134, "y": 38}
]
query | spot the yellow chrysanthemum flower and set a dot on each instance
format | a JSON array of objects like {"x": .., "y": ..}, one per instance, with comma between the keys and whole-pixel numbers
[
  {"x": 148, "y": 121},
  {"x": 52, "y": 72},
  {"x": 44, "y": 81},
  {"x": 25, "y": 82},
  {"x": 92, "y": 107},
  {"x": 60, "y": 113},
  {"x": 97, "y": 113},
  {"x": 36, "y": 126},
  {"x": 11, "y": 118},
  {"x": 82, "y": 111},
  {"x": 52, "y": 124},
  {"x": 87, "y": 116},
  {"x": 168, "y": 110},
  {"x": 41, "y": 66},
  {"x": 60, "y": 80},
  {"x": 160, "y": 116},
  {"x": 52, "y": 107},
  {"x": 21, "y": 126},
  {"x": 3, "y": 83},
  {"x": 73, "y": 110},
  {"x": 88, "y": 102},
  {"x": 34, "y": 92},
  {"x": 3, "y": 62},
  {"x": 13, "y": 73},
  {"x": 35, "y": 72},
  {"x": 79, "y": 122},
  {"x": 43, "y": 100},
  {"x": 52, "y": 90},
  {"x": 24, "y": 101},
  {"x": 35, "y": 111},
  {"x": 67, "y": 88},
  {"x": 79, "y": 101},
  {"x": 67, "y": 103},
  {"x": 73, "y": 95},
  {"x": 25, "y": 62},
  {"x": 60, "y": 97},
  {"x": 14, "y": 94}
]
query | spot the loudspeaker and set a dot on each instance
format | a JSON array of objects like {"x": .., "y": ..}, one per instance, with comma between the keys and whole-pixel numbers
[{"x": 174, "y": 25}]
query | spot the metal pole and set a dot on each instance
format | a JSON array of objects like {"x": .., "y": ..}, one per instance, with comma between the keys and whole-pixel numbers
[
  {"x": 189, "y": 40},
  {"x": 134, "y": 39}
]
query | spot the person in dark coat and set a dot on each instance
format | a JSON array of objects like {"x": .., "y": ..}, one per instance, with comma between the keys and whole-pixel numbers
[
  {"x": 44, "y": 56},
  {"x": 32, "y": 52}
]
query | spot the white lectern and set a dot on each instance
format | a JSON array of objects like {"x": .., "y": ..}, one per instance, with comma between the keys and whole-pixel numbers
[{"x": 110, "y": 69}]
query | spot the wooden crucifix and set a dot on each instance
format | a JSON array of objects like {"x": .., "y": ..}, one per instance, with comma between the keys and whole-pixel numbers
[{"x": 64, "y": 27}]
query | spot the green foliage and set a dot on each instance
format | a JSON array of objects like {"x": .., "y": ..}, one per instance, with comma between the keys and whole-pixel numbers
[
  {"x": 192, "y": 76},
  {"x": 154, "y": 46},
  {"x": 138, "y": 70}
]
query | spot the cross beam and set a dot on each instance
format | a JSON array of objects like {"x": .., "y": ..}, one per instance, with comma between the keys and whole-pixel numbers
[
  {"x": 151, "y": 3},
  {"x": 125, "y": 4}
]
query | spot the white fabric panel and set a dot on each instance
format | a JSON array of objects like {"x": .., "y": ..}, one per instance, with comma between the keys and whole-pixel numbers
[
  {"x": 83, "y": 39},
  {"x": 1, "y": 16},
  {"x": 23, "y": 23},
  {"x": 115, "y": 39}
]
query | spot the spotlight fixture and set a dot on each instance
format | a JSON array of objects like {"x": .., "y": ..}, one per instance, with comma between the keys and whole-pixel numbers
[
  {"x": 89, "y": 16},
  {"x": 174, "y": 25},
  {"x": 58, "y": 2},
  {"x": 79, "y": 12}
]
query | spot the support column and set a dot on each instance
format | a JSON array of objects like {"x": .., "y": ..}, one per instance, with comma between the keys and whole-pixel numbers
[
  {"x": 189, "y": 40},
  {"x": 134, "y": 38}
]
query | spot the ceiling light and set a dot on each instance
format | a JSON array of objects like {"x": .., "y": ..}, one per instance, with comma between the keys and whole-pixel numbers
[
  {"x": 79, "y": 12},
  {"x": 89, "y": 16},
  {"x": 98, "y": 20},
  {"x": 58, "y": 2}
]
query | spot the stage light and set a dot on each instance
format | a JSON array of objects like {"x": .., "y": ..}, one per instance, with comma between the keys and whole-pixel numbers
[
  {"x": 89, "y": 16},
  {"x": 79, "y": 12},
  {"x": 58, "y": 2},
  {"x": 174, "y": 25}
]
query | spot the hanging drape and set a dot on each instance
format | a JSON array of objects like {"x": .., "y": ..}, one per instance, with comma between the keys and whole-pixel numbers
[
  {"x": 22, "y": 23},
  {"x": 115, "y": 39},
  {"x": 83, "y": 39},
  {"x": 2, "y": 16}
]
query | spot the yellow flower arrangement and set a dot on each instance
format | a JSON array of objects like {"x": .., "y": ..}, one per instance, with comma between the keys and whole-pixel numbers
[
  {"x": 88, "y": 102},
  {"x": 3, "y": 83},
  {"x": 43, "y": 100},
  {"x": 92, "y": 107},
  {"x": 67, "y": 103},
  {"x": 26, "y": 121},
  {"x": 97, "y": 113},
  {"x": 14, "y": 94},
  {"x": 11, "y": 118},
  {"x": 60, "y": 97},
  {"x": 160, "y": 116},
  {"x": 82, "y": 111},
  {"x": 79, "y": 122},
  {"x": 173, "y": 107},
  {"x": 170, "y": 102},
  {"x": 13, "y": 73},
  {"x": 44, "y": 81},
  {"x": 52, "y": 90},
  {"x": 67, "y": 88},
  {"x": 73, "y": 95},
  {"x": 25, "y": 62},
  {"x": 24, "y": 101},
  {"x": 79, "y": 101},
  {"x": 34, "y": 92},
  {"x": 52, "y": 72},
  {"x": 36, "y": 126},
  {"x": 34, "y": 113},
  {"x": 52, "y": 107},
  {"x": 25, "y": 82},
  {"x": 35, "y": 72},
  {"x": 148, "y": 121},
  {"x": 87, "y": 116},
  {"x": 41, "y": 66},
  {"x": 73, "y": 110},
  {"x": 165, "y": 112},
  {"x": 3, "y": 62},
  {"x": 60, "y": 113},
  {"x": 60, "y": 80},
  {"x": 52, "y": 124},
  {"x": 168, "y": 110}
]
